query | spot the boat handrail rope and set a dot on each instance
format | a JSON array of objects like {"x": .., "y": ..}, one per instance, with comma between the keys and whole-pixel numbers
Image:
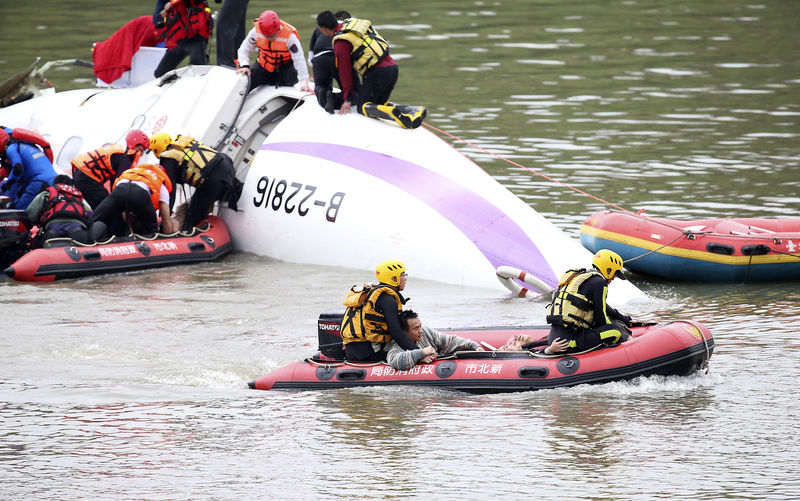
[
  {"x": 705, "y": 342},
  {"x": 75, "y": 243},
  {"x": 195, "y": 230},
  {"x": 459, "y": 355}
]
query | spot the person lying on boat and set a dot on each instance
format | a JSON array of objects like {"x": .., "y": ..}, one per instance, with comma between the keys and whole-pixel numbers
[
  {"x": 211, "y": 173},
  {"x": 579, "y": 313},
  {"x": 372, "y": 317},
  {"x": 26, "y": 167},
  {"x": 280, "y": 55},
  {"x": 429, "y": 342},
  {"x": 93, "y": 169},
  {"x": 61, "y": 212},
  {"x": 140, "y": 191},
  {"x": 525, "y": 342}
]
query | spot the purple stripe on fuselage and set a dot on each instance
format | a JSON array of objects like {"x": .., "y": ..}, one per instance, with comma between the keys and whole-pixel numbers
[{"x": 498, "y": 238}]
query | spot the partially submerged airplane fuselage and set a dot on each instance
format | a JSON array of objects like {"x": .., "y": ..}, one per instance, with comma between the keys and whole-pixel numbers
[{"x": 326, "y": 189}]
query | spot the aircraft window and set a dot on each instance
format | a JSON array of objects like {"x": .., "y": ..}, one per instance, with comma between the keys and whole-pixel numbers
[{"x": 70, "y": 150}]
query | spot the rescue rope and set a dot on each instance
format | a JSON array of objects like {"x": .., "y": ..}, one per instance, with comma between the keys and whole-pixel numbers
[
  {"x": 684, "y": 233},
  {"x": 776, "y": 251},
  {"x": 232, "y": 126},
  {"x": 657, "y": 249},
  {"x": 577, "y": 190}
]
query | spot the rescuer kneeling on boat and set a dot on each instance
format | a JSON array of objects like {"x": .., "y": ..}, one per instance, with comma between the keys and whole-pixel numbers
[
  {"x": 428, "y": 343},
  {"x": 372, "y": 318},
  {"x": 579, "y": 313},
  {"x": 188, "y": 161},
  {"x": 140, "y": 191}
]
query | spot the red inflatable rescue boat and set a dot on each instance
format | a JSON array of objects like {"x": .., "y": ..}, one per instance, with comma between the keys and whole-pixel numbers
[
  {"x": 707, "y": 250},
  {"x": 63, "y": 259},
  {"x": 676, "y": 348}
]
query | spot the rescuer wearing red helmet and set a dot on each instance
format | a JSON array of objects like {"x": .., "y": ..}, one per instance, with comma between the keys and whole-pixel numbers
[
  {"x": 280, "y": 55},
  {"x": 186, "y": 26},
  {"x": 93, "y": 169}
]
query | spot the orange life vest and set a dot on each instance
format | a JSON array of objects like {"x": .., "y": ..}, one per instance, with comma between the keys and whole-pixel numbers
[
  {"x": 274, "y": 52},
  {"x": 151, "y": 175},
  {"x": 97, "y": 163}
]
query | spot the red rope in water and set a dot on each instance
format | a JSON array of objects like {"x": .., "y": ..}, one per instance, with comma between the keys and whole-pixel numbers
[{"x": 528, "y": 169}]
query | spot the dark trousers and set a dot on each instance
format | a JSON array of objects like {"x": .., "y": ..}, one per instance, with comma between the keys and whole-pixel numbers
[
  {"x": 194, "y": 47},
  {"x": 230, "y": 31},
  {"x": 127, "y": 198},
  {"x": 325, "y": 72},
  {"x": 283, "y": 75},
  {"x": 218, "y": 184},
  {"x": 377, "y": 85},
  {"x": 94, "y": 192},
  {"x": 584, "y": 338},
  {"x": 363, "y": 352}
]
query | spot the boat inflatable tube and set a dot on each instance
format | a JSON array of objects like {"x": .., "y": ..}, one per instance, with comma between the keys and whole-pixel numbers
[{"x": 677, "y": 348}]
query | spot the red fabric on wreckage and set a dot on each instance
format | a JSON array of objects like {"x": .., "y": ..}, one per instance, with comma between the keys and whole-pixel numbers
[{"x": 113, "y": 57}]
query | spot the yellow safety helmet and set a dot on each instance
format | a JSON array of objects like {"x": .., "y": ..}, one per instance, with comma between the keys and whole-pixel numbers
[
  {"x": 609, "y": 264},
  {"x": 388, "y": 272},
  {"x": 159, "y": 142}
]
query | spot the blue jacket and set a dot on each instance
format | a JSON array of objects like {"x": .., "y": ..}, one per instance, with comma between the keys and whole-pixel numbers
[{"x": 31, "y": 172}]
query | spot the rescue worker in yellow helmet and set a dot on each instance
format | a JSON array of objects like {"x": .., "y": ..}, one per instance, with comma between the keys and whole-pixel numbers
[
  {"x": 211, "y": 173},
  {"x": 579, "y": 316},
  {"x": 372, "y": 318}
]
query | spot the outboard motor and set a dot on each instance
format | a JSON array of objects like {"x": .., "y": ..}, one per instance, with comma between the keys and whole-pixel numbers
[
  {"x": 329, "y": 334},
  {"x": 14, "y": 236}
]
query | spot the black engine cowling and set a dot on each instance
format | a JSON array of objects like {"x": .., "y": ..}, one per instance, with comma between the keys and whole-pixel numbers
[{"x": 14, "y": 236}]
